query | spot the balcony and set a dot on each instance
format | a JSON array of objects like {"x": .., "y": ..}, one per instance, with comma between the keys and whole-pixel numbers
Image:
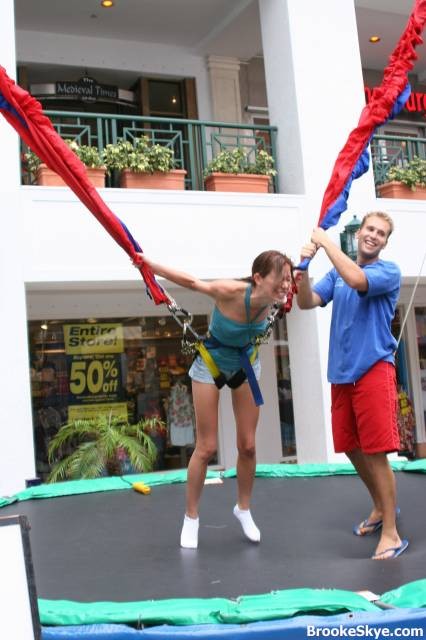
[
  {"x": 194, "y": 142},
  {"x": 391, "y": 151}
]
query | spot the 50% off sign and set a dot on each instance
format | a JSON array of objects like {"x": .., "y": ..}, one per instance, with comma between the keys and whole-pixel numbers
[{"x": 95, "y": 375}]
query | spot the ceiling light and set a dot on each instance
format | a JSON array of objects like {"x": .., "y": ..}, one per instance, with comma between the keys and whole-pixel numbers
[
  {"x": 374, "y": 39},
  {"x": 43, "y": 326},
  {"x": 107, "y": 3}
]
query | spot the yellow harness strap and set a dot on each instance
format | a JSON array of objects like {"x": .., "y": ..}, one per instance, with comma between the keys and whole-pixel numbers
[
  {"x": 211, "y": 364},
  {"x": 208, "y": 360}
]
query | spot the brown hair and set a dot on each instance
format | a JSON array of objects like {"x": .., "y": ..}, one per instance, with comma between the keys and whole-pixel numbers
[
  {"x": 380, "y": 214},
  {"x": 268, "y": 261}
]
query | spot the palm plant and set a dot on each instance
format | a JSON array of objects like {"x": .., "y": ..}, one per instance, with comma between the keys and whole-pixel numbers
[{"x": 102, "y": 442}]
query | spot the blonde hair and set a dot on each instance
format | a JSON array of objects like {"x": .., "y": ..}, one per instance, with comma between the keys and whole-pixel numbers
[{"x": 379, "y": 214}]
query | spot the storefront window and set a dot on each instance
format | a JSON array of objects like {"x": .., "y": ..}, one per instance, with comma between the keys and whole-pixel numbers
[
  {"x": 285, "y": 398},
  {"x": 420, "y": 314},
  {"x": 127, "y": 366},
  {"x": 405, "y": 413}
]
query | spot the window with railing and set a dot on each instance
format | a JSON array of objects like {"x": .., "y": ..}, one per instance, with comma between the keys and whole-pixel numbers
[
  {"x": 390, "y": 151},
  {"x": 194, "y": 142}
]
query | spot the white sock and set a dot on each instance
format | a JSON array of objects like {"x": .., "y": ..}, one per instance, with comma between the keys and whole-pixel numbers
[
  {"x": 189, "y": 534},
  {"x": 247, "y": 523}
]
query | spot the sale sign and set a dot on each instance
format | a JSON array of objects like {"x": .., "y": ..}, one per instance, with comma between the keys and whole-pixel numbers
[{"x": 94, "y": 367}]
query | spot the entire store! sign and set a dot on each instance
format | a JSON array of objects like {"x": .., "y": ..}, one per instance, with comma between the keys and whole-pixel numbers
[
  {"x": 86, "y": 89},
  {"x": 94, "y": 368},
  {"x": 416, "y": 103}
]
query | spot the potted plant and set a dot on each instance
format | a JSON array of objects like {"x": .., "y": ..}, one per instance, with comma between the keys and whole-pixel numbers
[
  {"x": 408, "y": 181},
  {"x": 90, "y": 157},
  {"x": 231, "y": 170},
  {"x": 143, "y": 165},
  {"x": 99, "y": 446}
]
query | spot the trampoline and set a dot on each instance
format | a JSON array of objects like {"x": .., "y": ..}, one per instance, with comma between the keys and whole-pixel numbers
[{"x": 108, "y": 564}]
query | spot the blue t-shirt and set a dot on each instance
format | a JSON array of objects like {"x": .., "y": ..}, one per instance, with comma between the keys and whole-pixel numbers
[{"x": 360, "y": 332}]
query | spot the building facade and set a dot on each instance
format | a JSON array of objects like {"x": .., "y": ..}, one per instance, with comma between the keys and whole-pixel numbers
[{"x": 62, "y": 275}]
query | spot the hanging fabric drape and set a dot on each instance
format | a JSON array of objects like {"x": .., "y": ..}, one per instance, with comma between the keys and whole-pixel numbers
[
  {"x": 386, "y": 102},
  {"x": 25, "y": 114}
]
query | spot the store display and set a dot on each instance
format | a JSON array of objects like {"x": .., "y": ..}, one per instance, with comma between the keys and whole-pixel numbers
[
  {"x": 180, "y": 417},
  {"x": 139, "y": 377}
]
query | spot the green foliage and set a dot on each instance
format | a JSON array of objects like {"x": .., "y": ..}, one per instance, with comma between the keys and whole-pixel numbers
[
  {"x": 141, "y": 157},
  {"x": 412, "y": 174},
  {"x": 99, "y": 445},
  {"x": 237, "y": 161},
  {"x": 89, "y": 156},
  {"x": 32, "y": 161}
]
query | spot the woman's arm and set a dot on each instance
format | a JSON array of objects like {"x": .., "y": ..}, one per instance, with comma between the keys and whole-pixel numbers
[{"x": 215, "y": 288}]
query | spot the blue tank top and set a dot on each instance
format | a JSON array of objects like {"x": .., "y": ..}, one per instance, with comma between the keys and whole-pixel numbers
[{"x": 235, "y": 334}]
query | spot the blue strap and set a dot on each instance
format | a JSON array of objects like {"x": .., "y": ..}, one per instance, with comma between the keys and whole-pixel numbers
[
  {"x": 246, "y": 365},
  {"x": 251, "y": 378}
]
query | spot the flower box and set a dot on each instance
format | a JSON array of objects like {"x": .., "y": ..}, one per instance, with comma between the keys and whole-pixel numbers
[
  {"x": 174, "y": 179},
  {"x": 237, "y": 182},
  {"x": 396, "y": 189},
  {"x": 46, "y": 177}
]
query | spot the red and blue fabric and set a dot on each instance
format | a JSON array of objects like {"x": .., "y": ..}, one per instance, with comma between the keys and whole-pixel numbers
[
  {"x": 26, "y": 116},
  {"x": 386, "y": 102}
]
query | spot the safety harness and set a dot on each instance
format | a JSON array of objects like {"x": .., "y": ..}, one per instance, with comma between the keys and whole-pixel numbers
[{"x": 202, "y": 344}]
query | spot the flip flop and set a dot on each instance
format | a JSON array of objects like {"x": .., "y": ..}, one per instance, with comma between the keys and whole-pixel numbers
[
  {"x": 373, "y": 526},
  {"x": 395, "y": 551}
]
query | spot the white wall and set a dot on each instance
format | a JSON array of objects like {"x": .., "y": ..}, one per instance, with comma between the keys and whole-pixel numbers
[
  {"x": 16, "y": 440},
  {"x": 213, "y": 234},
  {"x": 144, "y": 58}
]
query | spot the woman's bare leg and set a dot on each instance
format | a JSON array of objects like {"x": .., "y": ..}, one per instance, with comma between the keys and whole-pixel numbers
[
  {"x": 246, "y": 418},
  {"x": 205, "y": 397}
]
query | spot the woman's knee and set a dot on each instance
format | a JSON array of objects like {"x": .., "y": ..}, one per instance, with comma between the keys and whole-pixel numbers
[
  {"x": 205, "y": 451},
  {"x": 247, "y": 449}
]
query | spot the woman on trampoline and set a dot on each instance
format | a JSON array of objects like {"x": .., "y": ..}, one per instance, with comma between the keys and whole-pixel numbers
[{"x": 239, "y": 315}]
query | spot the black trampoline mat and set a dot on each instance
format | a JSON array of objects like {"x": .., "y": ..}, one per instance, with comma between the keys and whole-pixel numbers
[{"x": 124, "y": 546}]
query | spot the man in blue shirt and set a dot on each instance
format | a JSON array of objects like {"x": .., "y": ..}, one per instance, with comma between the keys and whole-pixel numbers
[{"x": 361, "y": 366}]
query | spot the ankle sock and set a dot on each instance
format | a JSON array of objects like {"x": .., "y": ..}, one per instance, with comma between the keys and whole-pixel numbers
[
  {"x": 247, "y": 523},
  {"x": 189, "y": 534}
]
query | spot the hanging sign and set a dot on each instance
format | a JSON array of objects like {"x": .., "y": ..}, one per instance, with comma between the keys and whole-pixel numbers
[
  {"x": 86, "y": 89},
  {"x": 416, "y": 102}
]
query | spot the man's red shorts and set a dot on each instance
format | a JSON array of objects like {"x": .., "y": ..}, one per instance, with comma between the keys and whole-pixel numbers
[{"x": 364, "y": 413}]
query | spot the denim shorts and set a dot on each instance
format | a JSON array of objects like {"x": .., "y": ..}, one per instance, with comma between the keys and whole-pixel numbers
[{"x": 200, "y": 373}]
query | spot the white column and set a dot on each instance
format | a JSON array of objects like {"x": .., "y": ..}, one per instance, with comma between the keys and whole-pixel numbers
[
  {"x": 315, "y": 96},
  {"x": 9, "y": 158},
  {"x": 16, "y": 435},
  {"x": 225, "y": 88},
  {"x": 314, "y": 85}
]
